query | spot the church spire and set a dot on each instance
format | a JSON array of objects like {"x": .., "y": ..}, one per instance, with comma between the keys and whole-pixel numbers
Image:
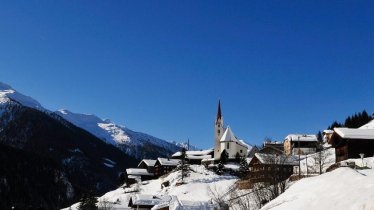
[{"x": 219, "y": 113}]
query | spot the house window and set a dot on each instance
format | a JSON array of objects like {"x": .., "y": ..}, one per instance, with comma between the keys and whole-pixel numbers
[
  {"x": 219, "y": 125},
  {"x": 218, "y": 131},
  {"x": 228, "y": 145}
]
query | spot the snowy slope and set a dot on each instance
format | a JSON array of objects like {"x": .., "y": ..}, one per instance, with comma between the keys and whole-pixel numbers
[
  {"x": 196, "y": 188},
  {"x": 136, "y": 144},
  {"x": 343, "y": 188},
  {"x": 120, "y": 136},
  {"x": 369, "y": 125},
  {"x": 7, "y": 94}
]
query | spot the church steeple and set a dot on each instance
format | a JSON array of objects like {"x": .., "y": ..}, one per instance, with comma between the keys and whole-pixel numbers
[
  {"x": 219, "y": 113},
  {"x": 219, "y": 129}
]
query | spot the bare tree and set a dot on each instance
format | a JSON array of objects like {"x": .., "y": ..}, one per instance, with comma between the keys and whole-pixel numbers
[
  {"x": 270, "y": 176},
  {"x": 219, "y": 197},
  {"x": 104, "y": 204},
  {"x": 322, "y": 159}
]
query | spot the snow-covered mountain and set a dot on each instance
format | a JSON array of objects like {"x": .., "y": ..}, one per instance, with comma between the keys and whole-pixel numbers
[
  {"x": 8, "y": 94},
  {"x": 136, "y": 144},
  {"x": 132, "y": 142}
]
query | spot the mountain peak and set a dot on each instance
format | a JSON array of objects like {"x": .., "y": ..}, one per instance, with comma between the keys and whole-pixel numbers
[
  {"x": 7, "y": 93},
  {"x": 4, "y": 86}
]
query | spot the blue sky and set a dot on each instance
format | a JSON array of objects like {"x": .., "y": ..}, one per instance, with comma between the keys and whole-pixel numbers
[{"x": 279, "y": 67}]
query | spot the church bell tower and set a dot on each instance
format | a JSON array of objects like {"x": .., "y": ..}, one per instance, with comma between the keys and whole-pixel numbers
[{"x": 218, "y": 132}]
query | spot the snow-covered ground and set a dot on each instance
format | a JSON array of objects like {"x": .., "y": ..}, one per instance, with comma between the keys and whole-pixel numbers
[
  {"x": 343, "y": 188},
  {"x": 198, "y": 187},
  {"x": 327, "y": 159}
]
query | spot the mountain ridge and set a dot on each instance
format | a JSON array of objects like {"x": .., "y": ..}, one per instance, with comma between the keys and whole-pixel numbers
[{"x": 137, "y": 144}]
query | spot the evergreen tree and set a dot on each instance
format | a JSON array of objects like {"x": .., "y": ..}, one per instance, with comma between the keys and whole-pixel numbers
[
  {"x": 88, "y": 202},
  {"x": 244, "y": 168},
  {"x": 184, "y": 166},
  {"x": 319, "y": 136},
  {"x": 220, "y": 168},
  {"x": 354, "y": 121},
  {"x": 224, "y": 157},
  {"x": 237, "y": 157}
]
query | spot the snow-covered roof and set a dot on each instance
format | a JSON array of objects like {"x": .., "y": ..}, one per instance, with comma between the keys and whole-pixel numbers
[
  {"x": 228, "y": 135},
  {"x": 138, "y": 171},
  {"x": 198, "y": 157},
  {"x": 243, "y": 143},
  {"x": 328, "y": 131},
  {"x": 152, "y": 200},
  {"x": 168, "y": 162},
  {"x": 148, "y": 162},
  {"x": 192, "y": 204},
  {"x": 301, "y": 137},
  {"x": 194, "y": 153},
  {"x": 277, "y": 159},
  {"x": 354, "y": 133},
  {"x": 369, "y": 125}
]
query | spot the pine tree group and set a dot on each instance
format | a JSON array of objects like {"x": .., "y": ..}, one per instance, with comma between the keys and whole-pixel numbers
[
  {"x": 88, "y": 202},
  {"x": 355, "y": 121}
]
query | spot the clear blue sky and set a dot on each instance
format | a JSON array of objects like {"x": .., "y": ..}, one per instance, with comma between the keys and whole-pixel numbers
[{"x": 279, "y": 67}]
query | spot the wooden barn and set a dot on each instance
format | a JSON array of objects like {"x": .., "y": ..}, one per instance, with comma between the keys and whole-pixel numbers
[
  {"x": 165, "y": 165},
  {"x": 351, "y": 142},
  {"x": 195, "y": 157},
  {"x": 272, "y": 148},
  {"x": 271, "y": 168},
  {"x": 148, "y": 164},
  {"x": 159, "y": 202}
]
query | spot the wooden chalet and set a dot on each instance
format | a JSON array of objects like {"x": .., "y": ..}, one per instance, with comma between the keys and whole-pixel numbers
[
  {"x": 159, "y": 202},
  {"x": 165, "y": 165},
  {"x": 300, "y": 143},
  {"x": 195, "y": 157},
  {"x": 351, "y": 142},
  {"x": 272, "y": 148},
  {"x": 271, "y": 168},
  {"x": 148, "y": 164},
  {"x": 137, "y": 174}
]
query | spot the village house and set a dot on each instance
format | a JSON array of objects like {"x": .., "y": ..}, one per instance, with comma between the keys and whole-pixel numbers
[
  {"x": 147, "y": 164},
  {"x": 195, "y": 157},
  {"x": 165, "y": 165},
  {"x": 305, "y": 144},
  {"x": 271, "y": 168},
  {"x": 270, "y": 147},
  {"x": 135, "y": 175},
  {"x": 327, "y": 135},
  {"x": 148, "y": 202},
  {"x": 351, "y": 142}
]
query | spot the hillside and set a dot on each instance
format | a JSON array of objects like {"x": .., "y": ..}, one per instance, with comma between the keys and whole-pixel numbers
[
  {"x": 136, "y": 144},
  {"x": 69, "y": 150},
  {"x": 201, "y": 187},
  {"x": 343, "y": 188}
]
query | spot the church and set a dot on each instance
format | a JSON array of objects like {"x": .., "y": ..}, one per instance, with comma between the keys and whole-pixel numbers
[{"x": 225, "y": 139}]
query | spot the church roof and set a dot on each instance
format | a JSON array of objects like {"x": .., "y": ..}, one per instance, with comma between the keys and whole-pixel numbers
[
  {"x": 228, "y": 135},
  {"x": 219, "y": 113}
]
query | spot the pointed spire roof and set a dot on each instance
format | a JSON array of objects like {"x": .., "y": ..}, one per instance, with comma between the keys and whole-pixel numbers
[
  {"x": 219, "y": 114},
  {"x": 228, "y": 135}
]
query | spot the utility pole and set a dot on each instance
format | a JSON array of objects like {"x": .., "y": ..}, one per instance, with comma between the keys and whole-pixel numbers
[{"x": 298, "y": 143}]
